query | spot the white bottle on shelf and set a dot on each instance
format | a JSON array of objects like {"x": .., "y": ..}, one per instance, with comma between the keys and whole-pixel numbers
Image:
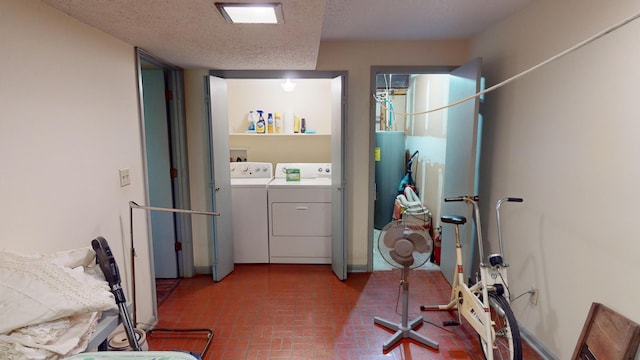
[
  {"x": 287, "y": 125},
  {"x": 277, "y": 123}
]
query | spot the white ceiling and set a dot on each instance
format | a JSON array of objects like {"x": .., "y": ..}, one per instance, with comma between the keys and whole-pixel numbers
[{"x": 192, "y": 34}]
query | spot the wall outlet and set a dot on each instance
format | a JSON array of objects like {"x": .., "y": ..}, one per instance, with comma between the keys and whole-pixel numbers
[
  {"x": 533, "y": 298},
  {"x": 125, "y": 179}
]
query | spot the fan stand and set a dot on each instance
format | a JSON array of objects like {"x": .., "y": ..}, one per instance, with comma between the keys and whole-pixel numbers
[{"x": 406, "y": 329}]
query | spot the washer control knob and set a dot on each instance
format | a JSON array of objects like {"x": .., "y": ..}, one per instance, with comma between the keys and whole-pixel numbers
[{"x": 244, "y": 168}]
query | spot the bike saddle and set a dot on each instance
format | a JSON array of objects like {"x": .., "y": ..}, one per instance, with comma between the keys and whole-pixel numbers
[{"x": 454, "y": 219}]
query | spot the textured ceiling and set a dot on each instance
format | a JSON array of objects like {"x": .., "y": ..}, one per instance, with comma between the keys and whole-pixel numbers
[
  {"x": 192, "y": 34},
  {"x": 414, "y": 19}
]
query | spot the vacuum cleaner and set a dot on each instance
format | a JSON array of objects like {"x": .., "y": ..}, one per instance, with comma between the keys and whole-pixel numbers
[{"x": 107, "y": 263}]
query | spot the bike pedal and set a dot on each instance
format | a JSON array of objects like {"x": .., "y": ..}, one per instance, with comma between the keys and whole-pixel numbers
[{"x": 450, "y": 323}]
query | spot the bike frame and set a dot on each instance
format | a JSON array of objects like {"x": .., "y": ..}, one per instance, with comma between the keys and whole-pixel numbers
[
  {"x": 465, "y": 300},
  {"x": 473, "y": 303},
  {"x": 493, "y": 277}
]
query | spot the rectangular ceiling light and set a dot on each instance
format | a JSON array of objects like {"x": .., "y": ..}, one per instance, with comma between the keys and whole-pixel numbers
[{"x": 243, "y": 13}]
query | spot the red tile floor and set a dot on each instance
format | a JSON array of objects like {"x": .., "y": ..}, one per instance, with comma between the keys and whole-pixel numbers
[{"x": 305, "y": 312}]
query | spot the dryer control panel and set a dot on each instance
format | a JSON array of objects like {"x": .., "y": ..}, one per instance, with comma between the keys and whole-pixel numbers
[
  {"x": 251, "y": 170},
  {"x": 307, "y": 170}
]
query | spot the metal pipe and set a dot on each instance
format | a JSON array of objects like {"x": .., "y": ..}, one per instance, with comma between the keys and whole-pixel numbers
[
  {"x": 498, "y": 221},
  {"x": 134, "y": 205},
  {"x": 476, "y": 217}
]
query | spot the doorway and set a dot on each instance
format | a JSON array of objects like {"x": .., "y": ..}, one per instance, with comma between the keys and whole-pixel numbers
[
  {"x": 424, "y": 147},
  {"x": 409, "y": 151},
  {"x": 166, "y": 177},
  {"x": 227, "y": 127}
]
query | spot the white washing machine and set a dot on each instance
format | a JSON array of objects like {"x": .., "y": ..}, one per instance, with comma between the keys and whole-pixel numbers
[
  {"x": 250, "y": 216},
  {"x": 300, "y": 214}
]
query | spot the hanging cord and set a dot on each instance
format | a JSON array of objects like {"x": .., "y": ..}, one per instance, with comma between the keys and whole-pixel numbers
[
  {"x": 549, "y": 60},
  {"x": 521, "y": 295},
  {"x": 386, "y": 99}
]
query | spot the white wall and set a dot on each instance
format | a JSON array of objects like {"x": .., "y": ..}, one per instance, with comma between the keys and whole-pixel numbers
[
  {"x": 311, "y": 100},
  {"x": 427, "y": 133},
  {"x": 566, "y": 139},
  {"x": 68, "y": 122}
]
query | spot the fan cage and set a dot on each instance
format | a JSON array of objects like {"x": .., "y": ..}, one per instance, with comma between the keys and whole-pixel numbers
[{"x": 408, "y": 225}]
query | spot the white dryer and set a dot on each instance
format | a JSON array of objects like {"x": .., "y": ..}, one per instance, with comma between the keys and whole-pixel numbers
[
  {"x": 300, "y": 214},
  {"x": 249, "y": 211}
]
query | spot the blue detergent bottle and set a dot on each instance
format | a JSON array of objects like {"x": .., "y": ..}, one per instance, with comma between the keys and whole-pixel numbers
[{"x": 252, "y": 121}]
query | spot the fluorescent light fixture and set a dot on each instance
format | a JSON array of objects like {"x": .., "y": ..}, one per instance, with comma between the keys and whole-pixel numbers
[
  {"x": 288, "y": 86},
  {"x": 243, "y": 13}
]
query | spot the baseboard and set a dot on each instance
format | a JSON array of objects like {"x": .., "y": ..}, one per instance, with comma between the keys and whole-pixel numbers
[
  {"x": 356, "y": 268},
  {"x": 202, "y": 270},
  {"x": 536, "y": 345},
  {"x": 198, "y": 270}
]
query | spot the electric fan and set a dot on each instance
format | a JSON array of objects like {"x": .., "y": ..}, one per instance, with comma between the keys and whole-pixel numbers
[{"x": 405, "y": 244}]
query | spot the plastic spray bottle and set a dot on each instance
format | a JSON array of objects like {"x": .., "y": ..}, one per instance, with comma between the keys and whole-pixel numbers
[{"x": 260, "y": 125}]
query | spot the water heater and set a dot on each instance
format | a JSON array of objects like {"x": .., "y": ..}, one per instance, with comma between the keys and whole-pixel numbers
[{"x": 390, "y": 168}]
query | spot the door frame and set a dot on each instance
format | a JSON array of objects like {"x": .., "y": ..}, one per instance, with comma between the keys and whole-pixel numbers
[
  {"x": 376, "y": 70},
  {"x": 174, "y": 82}
]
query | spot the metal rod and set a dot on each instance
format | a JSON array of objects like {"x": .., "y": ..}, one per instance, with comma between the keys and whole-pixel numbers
[
  {"x": 476, "y": 220},
  {"x": 129, "y": 327},
  {"x": 134, "y": 205},
  {"x": 498, "y": 204},
  {"x": 133, "y": 267},
  {"x": 405, "y": 298}
]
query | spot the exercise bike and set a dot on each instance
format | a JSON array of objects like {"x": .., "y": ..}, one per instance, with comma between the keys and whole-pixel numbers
[{"x": 485, "y": 304}]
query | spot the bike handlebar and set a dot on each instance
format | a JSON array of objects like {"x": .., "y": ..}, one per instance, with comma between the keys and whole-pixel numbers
[
  {"x": 473, "y": 200},
  {"x": 462, "y": 198},
  {"x": 476, "y": 198}
]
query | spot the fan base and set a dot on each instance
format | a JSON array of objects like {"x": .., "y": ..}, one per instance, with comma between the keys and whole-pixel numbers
[{"x": 404, "y": 332}]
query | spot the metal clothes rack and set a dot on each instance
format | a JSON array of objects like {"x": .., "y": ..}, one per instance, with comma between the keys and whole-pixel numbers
[{"x": 133, "y": 205}]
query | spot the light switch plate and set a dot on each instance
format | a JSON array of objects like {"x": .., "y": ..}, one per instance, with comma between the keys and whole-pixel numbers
[{"x": 125, "y": 179}]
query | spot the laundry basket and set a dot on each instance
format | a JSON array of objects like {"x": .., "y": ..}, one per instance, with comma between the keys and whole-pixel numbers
[
  {"x": 409, "y": 207},
  {"x": 418, "y": 216}
]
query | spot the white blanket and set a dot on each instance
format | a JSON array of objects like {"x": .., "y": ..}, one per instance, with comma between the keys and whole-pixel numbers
[{"x": 49, "y": 304}]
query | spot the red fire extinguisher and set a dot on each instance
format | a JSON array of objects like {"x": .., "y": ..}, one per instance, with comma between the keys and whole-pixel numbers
[{"x": 437, "y": 247}]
